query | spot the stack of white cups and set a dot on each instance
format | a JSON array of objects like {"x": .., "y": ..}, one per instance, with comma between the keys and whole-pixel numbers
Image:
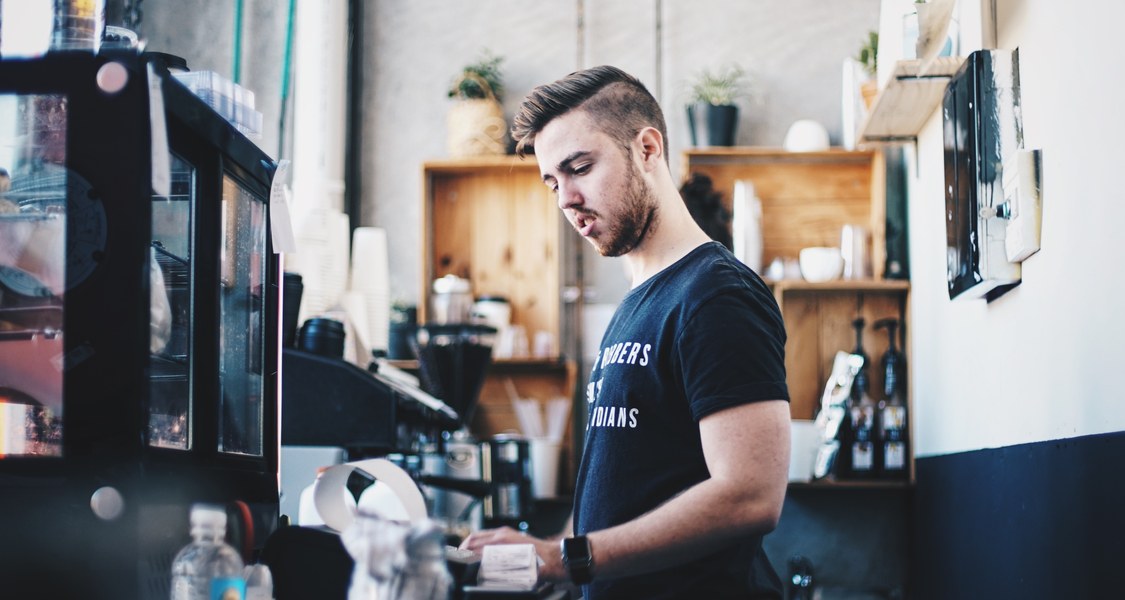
[
  {"x": 544, "y": 439},
  {"x": 369, "y": 280}
]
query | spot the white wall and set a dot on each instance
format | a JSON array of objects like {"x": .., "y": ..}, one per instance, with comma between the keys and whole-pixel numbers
[{"x": 1045, "y": 360}]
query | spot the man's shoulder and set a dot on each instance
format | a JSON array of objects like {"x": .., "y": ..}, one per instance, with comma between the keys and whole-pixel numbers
[{"x": 714, "y": 269}]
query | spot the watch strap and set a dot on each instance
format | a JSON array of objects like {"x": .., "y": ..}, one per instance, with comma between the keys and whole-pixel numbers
[{"x": 578, "y": 559}]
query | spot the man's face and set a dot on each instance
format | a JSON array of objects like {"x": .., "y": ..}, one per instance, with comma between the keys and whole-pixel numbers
[{"x": 600, "y": 190}]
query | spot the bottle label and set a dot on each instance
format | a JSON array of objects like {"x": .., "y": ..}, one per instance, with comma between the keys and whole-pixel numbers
[
  {"x": 894, "y": 456},
  {"x": 228, "y": 588},
  {"x": 894, "y": 418},
  {"x": 862, "y": 456},
  {"x": 863, "y": 417}
]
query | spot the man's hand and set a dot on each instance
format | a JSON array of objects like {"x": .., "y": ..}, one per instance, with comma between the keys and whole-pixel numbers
[{"x": 550, "y": 569}]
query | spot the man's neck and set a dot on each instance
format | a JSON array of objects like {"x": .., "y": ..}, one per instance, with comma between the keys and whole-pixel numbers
[{"x": 673, "y": 237}]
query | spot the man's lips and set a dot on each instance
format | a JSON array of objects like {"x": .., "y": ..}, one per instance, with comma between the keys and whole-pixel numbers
[{"x": 584, "y": 224}]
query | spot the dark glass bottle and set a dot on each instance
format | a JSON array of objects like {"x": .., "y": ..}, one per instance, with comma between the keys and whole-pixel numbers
[
  {"x": 894, "y": 455},
  {"x": 864, "y": 443}
]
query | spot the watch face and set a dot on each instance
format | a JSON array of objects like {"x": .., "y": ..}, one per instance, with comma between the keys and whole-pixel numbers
[
  {"x": 578, "y": 560},
  {"x": 576, "y": 549}
]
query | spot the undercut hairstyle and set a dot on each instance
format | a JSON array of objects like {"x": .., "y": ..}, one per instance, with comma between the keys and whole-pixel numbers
[{"x": 618, "y": 103}]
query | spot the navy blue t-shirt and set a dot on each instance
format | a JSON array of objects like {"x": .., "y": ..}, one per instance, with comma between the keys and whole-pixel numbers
[{"x": 702, "y": 335}]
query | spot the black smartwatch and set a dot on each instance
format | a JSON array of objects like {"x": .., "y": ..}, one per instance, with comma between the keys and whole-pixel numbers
[{"x": 578, "y": 559}]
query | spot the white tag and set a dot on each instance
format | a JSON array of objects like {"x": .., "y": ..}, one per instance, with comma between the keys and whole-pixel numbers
[
  {"x": 161, "y": 159},
  {"x": 281, "y": 224}
]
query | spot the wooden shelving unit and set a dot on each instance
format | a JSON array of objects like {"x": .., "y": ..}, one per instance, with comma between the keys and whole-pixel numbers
[
  {"x": 492, "y": 221},
  {"x": 905, "y": 104},
  {"x": 806, "y": 198},
  {"x": 846, "y": 285}
]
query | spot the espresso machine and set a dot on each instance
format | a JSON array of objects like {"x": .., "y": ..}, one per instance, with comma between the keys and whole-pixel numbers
[
  {"x": 328, "y": 402},
  {"x": 376, "y": 412}
]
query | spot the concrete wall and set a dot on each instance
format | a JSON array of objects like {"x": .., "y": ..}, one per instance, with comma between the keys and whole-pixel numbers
[
  {"x": 202, "y": 32},
  {"x": 793, "y": 49}
]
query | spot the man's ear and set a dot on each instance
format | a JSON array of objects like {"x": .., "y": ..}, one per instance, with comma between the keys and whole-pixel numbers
[{"x": 651, "y": 147}]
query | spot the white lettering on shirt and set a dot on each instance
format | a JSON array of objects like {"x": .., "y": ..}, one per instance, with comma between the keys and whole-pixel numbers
[
  {"x": 631, "y": 353},
  {"x": 618, "y": 417}
]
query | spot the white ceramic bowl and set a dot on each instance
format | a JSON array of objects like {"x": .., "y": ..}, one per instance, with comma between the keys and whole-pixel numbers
[
  {"x": 820, "y": 263},
  {"x": 806, "y": 135}
]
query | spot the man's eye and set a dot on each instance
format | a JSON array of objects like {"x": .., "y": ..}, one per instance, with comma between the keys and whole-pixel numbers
[{"x": 582, "y": 170}]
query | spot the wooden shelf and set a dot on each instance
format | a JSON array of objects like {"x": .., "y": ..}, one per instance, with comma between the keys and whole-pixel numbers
[
  {"x": 908, "y": 100},
  {"x": 859, "y": 484},
  {"x": 771, "y": 155},
  {"x": 476, "y": 164},
  {"x": 839, "y": 285}
]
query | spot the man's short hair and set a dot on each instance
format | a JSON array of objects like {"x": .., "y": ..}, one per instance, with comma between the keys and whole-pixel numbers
[{"x": 619, "y": 104}]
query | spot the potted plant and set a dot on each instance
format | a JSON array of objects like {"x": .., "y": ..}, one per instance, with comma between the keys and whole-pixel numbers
[
  {"x": 476, "y": 119},
  {"x": 867, "y": 58},
  {"x": 712, "y": 112}
]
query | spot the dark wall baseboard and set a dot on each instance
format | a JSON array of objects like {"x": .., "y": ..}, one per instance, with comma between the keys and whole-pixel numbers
[{"x": 1040, "y": 520}]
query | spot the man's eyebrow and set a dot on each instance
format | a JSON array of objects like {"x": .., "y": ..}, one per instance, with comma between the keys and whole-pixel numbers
[{"x": 564, "y": 164}]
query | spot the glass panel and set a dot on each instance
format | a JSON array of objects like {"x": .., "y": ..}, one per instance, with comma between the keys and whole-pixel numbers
[
  {"x": 170, "y": 268},
  {"x": 33, "y": 271},
  {"x": 242, "y": 278}
]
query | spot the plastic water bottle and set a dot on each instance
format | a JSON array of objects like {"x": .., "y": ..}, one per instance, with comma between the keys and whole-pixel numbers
[
  {"x": 208, "y": 568},
  {"x": 259, "y": 582}
]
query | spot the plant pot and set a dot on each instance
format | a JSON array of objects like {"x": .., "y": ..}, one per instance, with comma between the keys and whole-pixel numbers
[
  {"x": 476, "y": 127},
  {"x": 712, "y": 125},
  {"x": 869, "y": 90}
]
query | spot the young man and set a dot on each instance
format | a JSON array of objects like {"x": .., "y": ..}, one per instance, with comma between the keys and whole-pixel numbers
[{"x": 687, "y": 443}]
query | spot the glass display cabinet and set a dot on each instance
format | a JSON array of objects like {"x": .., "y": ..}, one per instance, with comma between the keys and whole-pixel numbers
[{"x": 138, "y": 329}]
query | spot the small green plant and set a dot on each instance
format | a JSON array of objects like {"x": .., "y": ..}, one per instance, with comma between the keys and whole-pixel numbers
[
  {"x": 471, "y": 82},
  {"x": 869, "y": 52},
  {"x": 719, "y": 87}
]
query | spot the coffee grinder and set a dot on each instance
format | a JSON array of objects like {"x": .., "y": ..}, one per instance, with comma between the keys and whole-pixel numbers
[{"x": 453, "y": 361}]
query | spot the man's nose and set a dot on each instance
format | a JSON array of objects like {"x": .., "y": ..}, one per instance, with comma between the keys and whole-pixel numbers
[{"x": 569, "y": 196}]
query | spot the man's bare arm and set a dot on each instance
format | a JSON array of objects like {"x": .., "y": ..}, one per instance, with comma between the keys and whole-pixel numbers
[{"x": 747, "y": 453}]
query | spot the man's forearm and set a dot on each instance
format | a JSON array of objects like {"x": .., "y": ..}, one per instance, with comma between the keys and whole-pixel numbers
[{"x": 705, "y": 517}]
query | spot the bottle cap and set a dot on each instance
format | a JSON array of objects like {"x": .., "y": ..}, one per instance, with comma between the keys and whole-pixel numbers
[{"x": 211, "y": 515}]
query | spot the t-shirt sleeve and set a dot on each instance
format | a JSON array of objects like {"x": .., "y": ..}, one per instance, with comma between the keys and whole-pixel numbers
[{"x": 731, "y": 351}]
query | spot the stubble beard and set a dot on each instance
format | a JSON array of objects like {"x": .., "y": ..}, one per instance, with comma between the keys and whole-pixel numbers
[{"x": 633, "y": 221}]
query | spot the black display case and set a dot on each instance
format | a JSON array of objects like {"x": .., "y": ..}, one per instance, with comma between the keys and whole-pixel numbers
[{"x": 138, "y": 329}]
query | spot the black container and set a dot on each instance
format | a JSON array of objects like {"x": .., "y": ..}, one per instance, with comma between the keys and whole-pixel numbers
[
  {"x": 292, "y": 291},
  {"x": 404, "y": 325},
  {"x": 322, "y": 336},
  {"x": 712, "y": 125},
  {"x": 506, "y": 461}
]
